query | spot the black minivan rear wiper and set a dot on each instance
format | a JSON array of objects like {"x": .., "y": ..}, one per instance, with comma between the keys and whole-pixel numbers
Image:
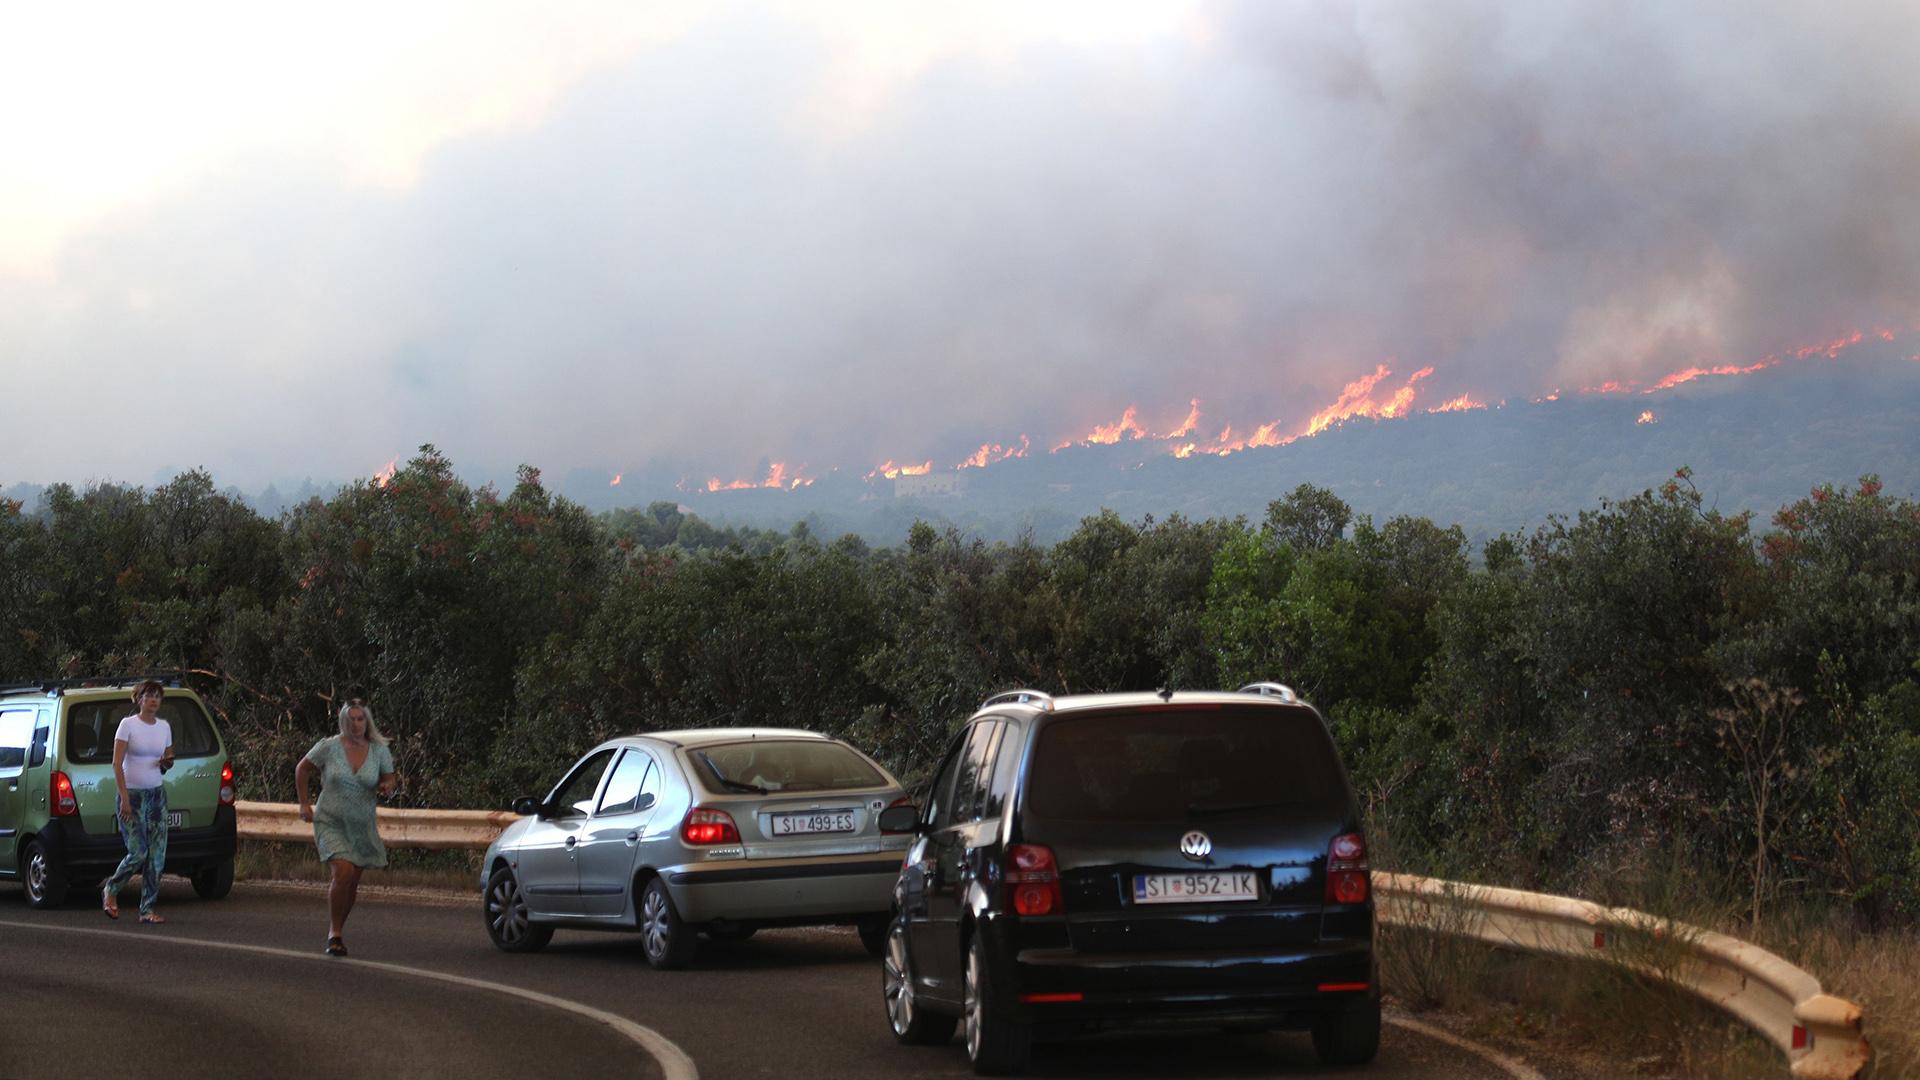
[{"x": 1231, "y": 808}]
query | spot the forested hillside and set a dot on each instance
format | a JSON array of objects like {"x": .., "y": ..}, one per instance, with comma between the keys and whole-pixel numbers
[{"x": 1642, "y": 681}]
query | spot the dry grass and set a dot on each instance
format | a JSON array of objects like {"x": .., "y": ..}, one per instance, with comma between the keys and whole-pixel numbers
[
  {"x": 447, "y": 871},
  {"x": 1879, "y": 972}
]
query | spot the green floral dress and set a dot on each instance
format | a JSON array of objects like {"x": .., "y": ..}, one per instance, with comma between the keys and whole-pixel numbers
[{"x": 343, "y": 817}]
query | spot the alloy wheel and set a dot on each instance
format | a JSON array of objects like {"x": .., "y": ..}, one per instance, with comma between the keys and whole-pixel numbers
[
  {"x": 973, "y": 1004},
  {"x": 36, "y": 875},
  {"x": 653, "y": 922},
  {"x": 507, "y": 910},
  {"x": 897, "y": 980}
]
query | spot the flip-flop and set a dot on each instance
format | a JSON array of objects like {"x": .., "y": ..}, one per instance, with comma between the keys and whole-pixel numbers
[
  {"x": 152, "y": 918},
  {"x": 336, "y": 947},
  {"x": 108, "y": 904}
]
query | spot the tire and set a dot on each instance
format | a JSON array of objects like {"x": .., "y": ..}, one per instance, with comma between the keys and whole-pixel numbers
[
  {"x": 46, "y": 881},
  {"x": 911, "y": 1024},
  {"x": 214, "y": 880},
  {"x": 995, "y": 1046},
  {"x": 873, "y": 935},
  {"x": 509, "y": 926},
  {"x": 668, "y": 942},
  {"x": 1349, "y": 1035}
]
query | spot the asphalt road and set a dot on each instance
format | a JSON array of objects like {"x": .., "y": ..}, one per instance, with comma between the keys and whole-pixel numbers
[{"x": 238, "y": 987}]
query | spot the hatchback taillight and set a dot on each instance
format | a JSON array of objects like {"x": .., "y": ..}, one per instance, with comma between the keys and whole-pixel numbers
[
  {"x": 226, "y": 784},
  {"x": 1033, "y": 881},
  {"x": 703, "y": 826},
  {"x": 64, "y": 802},
  {"x": 1348, "y": 881}
]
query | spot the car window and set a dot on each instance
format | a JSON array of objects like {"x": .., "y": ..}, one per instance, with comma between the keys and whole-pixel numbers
[
  {"x": 976, "y": 766},
  {"x": 1006, "y": 762},
  {"x": 956, "y": 793},
  {"x": 37, "y": 753},
  {"x": 16, "y": 732},
  {"x": 576, "y": 793},
  {"x": 629, "y": 779},
  {"x": 1173, "y": 766},
  {"x": 91, "y": 724},
  {"x": 940, "y": 793},
  {"x": 784, "y": 765}
]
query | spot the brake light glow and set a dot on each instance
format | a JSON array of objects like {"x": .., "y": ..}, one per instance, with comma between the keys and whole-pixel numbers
[
  {"x": 226, "y": 784},
  {"x": 704, "y": 826},
  {"x": 1348, "y": 880},
  {"x": 1342, "y": 988},
  {"x": 64, "y": 802},
  {"x": 1050, "y": 998},
  {"x": 1033, "y": 881}
]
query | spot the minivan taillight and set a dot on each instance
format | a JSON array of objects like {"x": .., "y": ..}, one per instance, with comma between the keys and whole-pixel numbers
[
  {"x": 1347, "y": 879},
  {"x": 703, "y": 826},
  {"x": 1033, "y": 881},
  {"x": 64, "y": 803},
  {"x": 226, "y": 784}
]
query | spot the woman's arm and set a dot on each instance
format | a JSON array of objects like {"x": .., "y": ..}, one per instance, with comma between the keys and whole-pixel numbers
[
  {"x": 120, "y": 776},
  {"x": 300, "y": 774}
]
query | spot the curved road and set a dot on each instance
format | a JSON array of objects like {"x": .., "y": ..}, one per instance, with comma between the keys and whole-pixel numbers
[{"x": 239, "y": 986}]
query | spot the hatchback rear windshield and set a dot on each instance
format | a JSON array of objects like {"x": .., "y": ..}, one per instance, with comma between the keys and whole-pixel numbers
[
  {"x": 91, "y": 724},
  {"x": 1172, "y": 766},
  {"x": 765, "y": 765}
]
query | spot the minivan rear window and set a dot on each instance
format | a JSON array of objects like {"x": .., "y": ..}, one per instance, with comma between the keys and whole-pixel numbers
[
  {"x": 1172, "y": 766},
  {"x": 91, "y": 724},
  {"x": 768, "y": 765}
]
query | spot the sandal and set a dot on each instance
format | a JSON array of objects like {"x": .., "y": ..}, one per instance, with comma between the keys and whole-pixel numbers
[
  {"x": 336, "y": 947},
  {"x": 108, "y": 902},
  {"x": 152, "y": 918}
]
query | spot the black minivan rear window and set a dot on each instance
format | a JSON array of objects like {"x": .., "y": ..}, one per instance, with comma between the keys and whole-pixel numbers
[
  {"x": 91, "y": 724},
  {"x": 1173, "y": 765}
]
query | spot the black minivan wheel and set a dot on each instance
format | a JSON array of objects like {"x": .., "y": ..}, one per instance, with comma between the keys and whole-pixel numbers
[
  {"x": 1349, "y": 1035},
  {"x": 214, "y": 880},
  {"x": 508, "y": 925},
  {"x": 996, "y": 1046},
  {"x": 669, "y": 943},
  {"x": 46, "y": 881},
  {"x": 911, "y": 1023}
]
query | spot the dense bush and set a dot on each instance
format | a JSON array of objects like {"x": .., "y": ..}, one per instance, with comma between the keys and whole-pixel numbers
[{"x": 1576, "y": 704}]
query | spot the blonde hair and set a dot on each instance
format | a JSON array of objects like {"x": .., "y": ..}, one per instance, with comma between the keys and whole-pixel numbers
[{"x": 346, "y": 721}]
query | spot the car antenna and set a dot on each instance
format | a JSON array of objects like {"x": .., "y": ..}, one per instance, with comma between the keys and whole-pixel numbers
[{"x": 1165, "y": 692}]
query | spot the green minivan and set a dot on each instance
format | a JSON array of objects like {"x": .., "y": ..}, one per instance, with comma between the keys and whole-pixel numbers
[{"x": 57, "y": 792}]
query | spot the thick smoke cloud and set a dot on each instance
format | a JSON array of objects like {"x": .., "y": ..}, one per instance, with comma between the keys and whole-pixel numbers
[{"x": 693, "y": 257}]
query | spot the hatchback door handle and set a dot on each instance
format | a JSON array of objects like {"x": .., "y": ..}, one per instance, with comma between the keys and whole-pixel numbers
[
  {"x": 633, "y": 838},
  {"x": 572, "y": 840}
]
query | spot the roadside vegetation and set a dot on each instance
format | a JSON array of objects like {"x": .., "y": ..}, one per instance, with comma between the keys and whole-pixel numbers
[{"x": 1648, "y": 703}]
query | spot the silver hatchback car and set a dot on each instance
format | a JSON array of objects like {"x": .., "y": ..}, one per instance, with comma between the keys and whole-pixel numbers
[{"x": 714, "y": 832}]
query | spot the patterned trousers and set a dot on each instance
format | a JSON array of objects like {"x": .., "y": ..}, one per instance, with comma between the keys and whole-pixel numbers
[{"x": 146, "y": 837}]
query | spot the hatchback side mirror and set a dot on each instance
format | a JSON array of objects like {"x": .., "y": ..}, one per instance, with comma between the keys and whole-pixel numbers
[
  {"x": 526, "y": 805},
  {"x": 900, "y": 819}
]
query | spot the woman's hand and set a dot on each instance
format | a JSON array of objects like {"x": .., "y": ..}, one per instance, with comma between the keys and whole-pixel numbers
[
  {"x": 306, "y": 813},
  {"x": 389, "y": 784},
  {"x": 126, "y": 807}
]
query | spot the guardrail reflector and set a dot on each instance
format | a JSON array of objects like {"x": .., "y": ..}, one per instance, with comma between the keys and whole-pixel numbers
[{"x": 1800, "y": 1039}]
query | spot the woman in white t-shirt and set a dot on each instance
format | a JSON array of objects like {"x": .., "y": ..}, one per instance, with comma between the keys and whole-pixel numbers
[{"x": 142, "y": 751}]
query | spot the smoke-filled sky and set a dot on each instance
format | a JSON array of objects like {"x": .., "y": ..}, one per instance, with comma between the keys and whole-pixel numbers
[{"x": 294, "y": 240}]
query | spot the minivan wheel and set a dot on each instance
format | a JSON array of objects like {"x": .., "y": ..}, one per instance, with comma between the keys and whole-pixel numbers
[
  {"x": 46, "y": 882},
  {"x": 873, "y": 936},
  {"x": 669, "y": 943},
  {"x": 911, "y": 1024},
  {"x": 1349, "y": 1035},
  {"x": 995, "y": 1046},
  {"x": 214, "y": 880},
  {"x": 509, "y": 926}
]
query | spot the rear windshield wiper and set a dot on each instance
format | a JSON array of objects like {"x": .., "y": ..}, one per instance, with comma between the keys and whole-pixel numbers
[
  {"x": 729, "y": 783},
  {"x": 1232, "y": 808}
]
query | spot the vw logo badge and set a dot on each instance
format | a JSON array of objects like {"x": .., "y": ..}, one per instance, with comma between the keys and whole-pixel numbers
[{"x": 1196, "y": 846}]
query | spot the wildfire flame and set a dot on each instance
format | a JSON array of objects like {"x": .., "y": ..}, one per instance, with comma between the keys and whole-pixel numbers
[
  {"x": 615, "y": 482},
  {"x": 1646, "y": 417},
  {"x": 992, "y": 452},
  {"x": 385, "y": 475},
  {"x": 776, "y": 478},
  {"x": 1459, "y": 404}
]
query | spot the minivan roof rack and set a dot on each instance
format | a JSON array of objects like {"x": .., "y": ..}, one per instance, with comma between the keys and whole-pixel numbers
[
  {"x": 1272, "y": 689},
  {"x": 93, "y": 682},
  {"x": 1042, "y": 701}
]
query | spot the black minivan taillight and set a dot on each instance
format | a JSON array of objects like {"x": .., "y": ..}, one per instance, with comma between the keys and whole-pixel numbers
[
  {"x": 1033, "y": 881},
  {"x": 1348, "y": 881}
]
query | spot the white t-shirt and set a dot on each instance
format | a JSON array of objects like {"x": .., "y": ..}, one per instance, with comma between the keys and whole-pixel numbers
[{"x": 146, "y": 745}]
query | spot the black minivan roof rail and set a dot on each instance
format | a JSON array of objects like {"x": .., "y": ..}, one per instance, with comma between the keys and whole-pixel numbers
[
  {"x": 93, "y": 682},
  {"x": 1020, "y": 697},
  {"x": 1272, "y": 689}
]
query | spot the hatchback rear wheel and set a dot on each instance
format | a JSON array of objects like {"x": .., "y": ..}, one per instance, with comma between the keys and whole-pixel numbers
[
  {"x": 46, "y": 882},
  {"x": 911, "y": 1023},
  {"x": 995, "y": 1046},
  {"x": 669, "y": 942},
  {"x": 508, "y": 925}
]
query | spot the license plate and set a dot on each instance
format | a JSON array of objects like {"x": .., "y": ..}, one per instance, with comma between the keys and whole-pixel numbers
[
  {"x": 1194, "y": 888},
  {"x": 831, "y": 821},
  {"x": 176, "y": 819}
]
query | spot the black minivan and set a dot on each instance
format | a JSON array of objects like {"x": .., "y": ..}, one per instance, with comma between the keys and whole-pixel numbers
[{"x": 1134, "y": 860}]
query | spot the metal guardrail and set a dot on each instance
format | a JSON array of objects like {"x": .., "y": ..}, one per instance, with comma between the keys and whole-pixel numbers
[{"x": 1820, "y": 1034}]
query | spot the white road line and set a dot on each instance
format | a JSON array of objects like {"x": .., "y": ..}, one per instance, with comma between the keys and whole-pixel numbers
[
  {"x": 1519, "y": 1070},
  {"x": 674, "y": 1062}
]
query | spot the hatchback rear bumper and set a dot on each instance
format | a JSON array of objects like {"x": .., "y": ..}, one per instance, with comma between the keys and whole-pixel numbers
[
  {"x": 70, "y": 846},
  {"x": 747, "y": 890},
  {"x": 1277, "y": 987}
]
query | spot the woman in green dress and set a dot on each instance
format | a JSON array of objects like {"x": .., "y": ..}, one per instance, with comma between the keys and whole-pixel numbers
[{"x": 354, "y": 767}]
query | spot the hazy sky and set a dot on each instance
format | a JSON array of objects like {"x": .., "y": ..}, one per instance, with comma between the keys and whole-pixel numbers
[{"x": 281, "y": 241}]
